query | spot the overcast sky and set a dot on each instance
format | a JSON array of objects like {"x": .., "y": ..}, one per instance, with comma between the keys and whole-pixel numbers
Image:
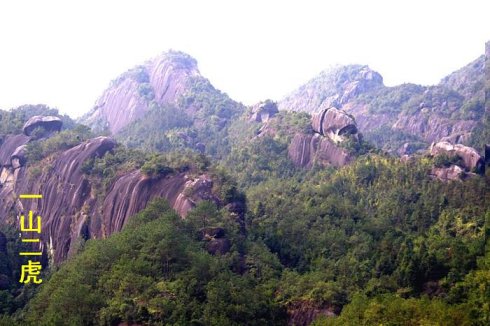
[{"x": 65, "y": 53}]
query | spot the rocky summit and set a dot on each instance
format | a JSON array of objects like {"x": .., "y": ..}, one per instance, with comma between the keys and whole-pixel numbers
[
  {"x": 74, "y": 206},
  {"x": 161, "y": 80},
  {"x": 393, "y": 116},
  {"x": 174, "y": 204}
]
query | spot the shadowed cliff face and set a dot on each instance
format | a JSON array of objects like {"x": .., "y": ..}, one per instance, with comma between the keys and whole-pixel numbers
[
  {"x": 162, "y": 80},
  {"x": 450, "y": 110},
  {"x": 74, "y": 207}
]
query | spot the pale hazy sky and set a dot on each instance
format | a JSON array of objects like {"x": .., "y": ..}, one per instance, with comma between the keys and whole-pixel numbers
[{"x": 65, "y": 53}]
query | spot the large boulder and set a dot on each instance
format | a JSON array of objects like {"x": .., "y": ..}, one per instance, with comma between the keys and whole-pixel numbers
[
  {"x": 472, "y": 160},
  {"x": 48, "y": 123},
  {"x": 18, "y": 157},
  {"x": 263, "y": 111},
  {"x": 451, "y": 173},
  {"x": 11, "y": 145},
  {"x": 333, "y": 123}
]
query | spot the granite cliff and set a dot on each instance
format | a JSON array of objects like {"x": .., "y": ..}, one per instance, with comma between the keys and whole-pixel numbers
[
  {"x": 408, "y": 114},
  {"x": 331, "y": 127},
  {"x": 74, "y": 206},
  {"x": 161, "y": 80}
]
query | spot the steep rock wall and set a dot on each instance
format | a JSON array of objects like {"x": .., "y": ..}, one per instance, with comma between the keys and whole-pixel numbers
[{"x": 73, "y": 208}]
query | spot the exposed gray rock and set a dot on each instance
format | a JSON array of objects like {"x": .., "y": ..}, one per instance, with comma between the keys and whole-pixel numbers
[
  {"x": 218, "y": 246},
  {"x": 305, "y": 150},
  {"x": 263, "y": 111},
  {"x": 163, "y": 80},
  {"x": 471, "y": 158},
  {"x": 18, "y": 157},
  {"x": 73, "y": 207},
  {"x": 333, "y": 123},
  {"x": 10, "y": 146},
  {"x": 451, "y": 173},
  {"x": 48, "y": 123}
]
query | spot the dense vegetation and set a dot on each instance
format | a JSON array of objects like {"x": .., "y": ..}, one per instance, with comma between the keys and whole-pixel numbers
[
  {"x": 375, "y": 242},
  {"x": 378, "y": 238}
]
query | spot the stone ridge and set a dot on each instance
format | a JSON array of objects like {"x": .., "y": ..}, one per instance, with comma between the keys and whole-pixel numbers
[
  {"x": 450, "y": 110},
  {"x": 161, "y": 80},
  {"x": 73, "y": 207}
]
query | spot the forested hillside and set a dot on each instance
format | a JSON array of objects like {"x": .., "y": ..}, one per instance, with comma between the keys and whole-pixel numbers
[{"x": 181, "y": 206}]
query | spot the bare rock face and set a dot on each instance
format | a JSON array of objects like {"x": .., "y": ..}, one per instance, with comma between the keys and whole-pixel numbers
[
  {"x": 451, "y": 109},
  {"x": 74, "y": 208},
  {"x": 333, "y": 123},
  {"x": 162, "y": 80},
  {"x": 451, "y": 173},
  {"x": 331, "y": 127},
  {"x": 48, "y": 123},
  {"x": 263, "y": 111},
  {"x": 471, "y": 158},
  {"x": 10, "y": 147},
  {"x": 305, "y": 150},
  {"x": 334, "y": 87}
]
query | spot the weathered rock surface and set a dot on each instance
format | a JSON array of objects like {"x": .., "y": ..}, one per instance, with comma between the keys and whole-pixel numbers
[
  {"x": 163, "y": 80},
  {"x": 333, "y": 123},
  {"x": 305, "y": 150},
  {"x": 73, "y": 207},
  {"x": 334, "y": 87},
  {"x": 451, "y": 173},
  {"x": 217, "y": 243},
  {"x": 10, "y": 146},
  {"x": 471, "y": 158},
  {"x": 263, "y": 111},
  {"x": 450, "y": 109},
  {"x": 48, "y": 123},
  {"x": 331, "y": 127}
]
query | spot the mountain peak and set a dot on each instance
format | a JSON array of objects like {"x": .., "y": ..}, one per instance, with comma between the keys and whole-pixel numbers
[
  {"x": 161, "y": 80},
  {"x": 332, "y": 87}
]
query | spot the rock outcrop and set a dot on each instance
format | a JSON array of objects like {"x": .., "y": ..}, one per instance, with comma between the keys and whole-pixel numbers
[
  {"x": 162, "y": 80},
  {"x": 331, "y": 128},
  {"x": 472, "y": 160},
  {"x": 263, "y": 111},
  {"x": 334, "y": 124},
  {"x": 303, "y": 313},
  {"x": 334, "y": 87},
  {"x": 458, "y": 161},
  {"x": 11, "y": 146},
  {"x": 305, "y": 150},
  {"x": 48, "y": 123},
  {"x": 75, "y": 206},
  {"x": 451, "y": 173},
  {"x": 392, "y": 116}
]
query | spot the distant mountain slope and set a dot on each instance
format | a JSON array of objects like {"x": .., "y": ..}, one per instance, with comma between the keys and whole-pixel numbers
[
  {"x": 401, "y": 118},
  {"x": 165, "y": 104}
]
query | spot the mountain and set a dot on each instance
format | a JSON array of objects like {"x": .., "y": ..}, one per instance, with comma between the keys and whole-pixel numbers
[
  {"x": 402, "y": 118},
  {"x": 165, "y": 104},
  {"x": 182, "y": 206},
  {"x": 162, "y": 80},
  {"x": 91, "y": 186}
]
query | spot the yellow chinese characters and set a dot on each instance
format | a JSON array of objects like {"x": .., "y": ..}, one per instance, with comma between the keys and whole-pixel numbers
[{"x": 30, "y": 271}]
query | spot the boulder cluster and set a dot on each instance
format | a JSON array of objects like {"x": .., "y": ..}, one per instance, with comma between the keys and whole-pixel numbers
[
  {"x": 457, "y": 161},
  {"x": 331, "y": 128}
]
